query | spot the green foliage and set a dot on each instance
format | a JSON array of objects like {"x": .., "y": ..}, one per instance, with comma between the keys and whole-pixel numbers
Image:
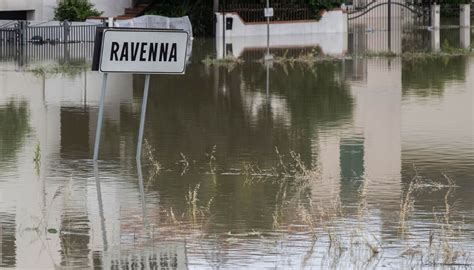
[
  {"x": 75, "y": 10},
  {"x": 318, "y": 5},
  {"x": 450, "y": 8},
  {"x": 198, "y": 11},
  {"x": 455, "y": 2}
]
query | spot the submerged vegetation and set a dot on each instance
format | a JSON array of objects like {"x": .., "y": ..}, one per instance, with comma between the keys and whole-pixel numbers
[
  {"x": 37, "y": 158},
  {"x": 70, "y": 69},
  {"x": 228, "y": 62},
  {"x": 316, "y": 56},
  {"x": 338, "y": 235}
]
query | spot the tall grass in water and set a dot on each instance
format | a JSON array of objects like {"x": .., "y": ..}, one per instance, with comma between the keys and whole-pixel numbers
[
  {"x": 37, "y": 158},
  {"x": 440, "y": 249},
  {"x": 69, "y": 69},
  {"x": 191, "y": 200},
  {"x": 212, "y": 158},
  {"x": 338, "y": 235}
]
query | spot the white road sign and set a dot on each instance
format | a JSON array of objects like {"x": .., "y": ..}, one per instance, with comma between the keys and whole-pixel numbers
[
  {"x": 268, "y": 12},
  {"x": 143, "y": 51}
]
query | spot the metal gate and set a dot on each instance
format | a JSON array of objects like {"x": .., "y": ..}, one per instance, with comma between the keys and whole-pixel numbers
[
  {"x": 8, "y": 40},
  {"x": 386, "y": 26},
  {"x": 388, "y": 15},
  {"x": 48, "y": 41}
]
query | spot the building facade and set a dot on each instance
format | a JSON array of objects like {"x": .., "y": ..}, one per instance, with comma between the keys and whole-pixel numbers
[{"x": 43, "y": 10}]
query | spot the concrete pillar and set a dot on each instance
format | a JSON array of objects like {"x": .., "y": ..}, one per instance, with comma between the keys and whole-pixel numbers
[
  {"x": 465, "y": 15},
  {"x": 220, "y": 20},
  {"x": 465, "y": 37},
  {"x": 435, "y": 40},
  {"x": 110, "y": 22},
  {"x": 435, "y": 16}
]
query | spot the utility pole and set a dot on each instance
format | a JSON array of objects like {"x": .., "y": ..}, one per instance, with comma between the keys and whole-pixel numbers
[
  {"x": 223, "y": 30},
  {"x": 268, "y": 13},
  {"x": 389, "y": 25},
  {"x": 268, "y": 29},
  {"x": 215, "y": 6},
  {"x": 215, "y": 9}
]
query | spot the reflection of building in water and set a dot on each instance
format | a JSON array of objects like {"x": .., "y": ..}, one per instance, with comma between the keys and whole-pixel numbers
[
  {"x": 377, "y": 116},
  {"x": 351, "y": 162},
  {"x": 60, "y": 118},
  {"x": 367, "y": 152},
  {"x": 74, "y": 226},
  {"x": 75, "y": 130},
  {"x": 54, "y": 105},
  {"x": 439, "y": 139},
  {"x": 354, "y": 134},
  {"x": 330, "y": 43},
  {"x": 7, "y": 239},
  {"x": 356, "y": 70},
  {"x": 172, "y": 257},
  {"x": 60, "y": 102}
]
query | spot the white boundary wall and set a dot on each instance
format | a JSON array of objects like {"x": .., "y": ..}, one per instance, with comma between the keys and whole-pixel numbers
[{"x": 331, "y": 22}]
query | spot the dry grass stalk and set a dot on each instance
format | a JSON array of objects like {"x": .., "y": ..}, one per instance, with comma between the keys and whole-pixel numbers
[
  {"x": 184, "y": 163},
  {"x": 150, "y": 154},
  {"x": 211, "y": 156}
]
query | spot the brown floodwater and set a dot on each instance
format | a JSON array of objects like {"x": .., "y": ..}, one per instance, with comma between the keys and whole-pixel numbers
[{"x": 356, "y": 163}]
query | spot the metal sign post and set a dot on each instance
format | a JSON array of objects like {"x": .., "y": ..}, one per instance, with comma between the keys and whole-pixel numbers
[
  {"x": 100, "y": 118},
  {"x": 268, "y": 13},
  {"x": 142, "y": 196},
  {"x": 137, "y": 51},
  {"x": 142, "y": 117},
  {"x": 101, "y": 207}
]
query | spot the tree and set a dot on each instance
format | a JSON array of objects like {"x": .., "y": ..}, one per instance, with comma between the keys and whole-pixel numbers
[
  {"x": 200, "y": 13},
  {"x": 75, "y": 10}
]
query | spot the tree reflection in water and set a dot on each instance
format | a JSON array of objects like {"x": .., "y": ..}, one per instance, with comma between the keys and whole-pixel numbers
[{"x": 14, "y": 123}]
